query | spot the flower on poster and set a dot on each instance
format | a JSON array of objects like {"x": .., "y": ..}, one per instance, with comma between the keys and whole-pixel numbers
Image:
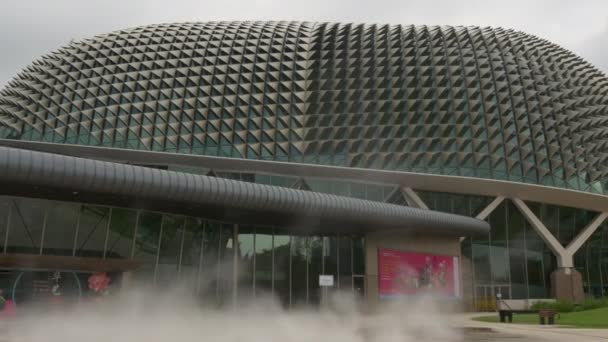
[{"x": 99, "y": 282}]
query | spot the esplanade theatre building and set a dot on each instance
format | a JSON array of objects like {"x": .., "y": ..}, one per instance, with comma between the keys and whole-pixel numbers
[{"x": 296, "y": 159}]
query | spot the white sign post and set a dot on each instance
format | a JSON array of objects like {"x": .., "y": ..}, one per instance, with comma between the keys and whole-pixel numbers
[{"x": 325, "y": 281}]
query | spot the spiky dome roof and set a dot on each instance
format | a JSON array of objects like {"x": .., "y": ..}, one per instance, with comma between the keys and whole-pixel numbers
[{"x": 469, "y": 101}]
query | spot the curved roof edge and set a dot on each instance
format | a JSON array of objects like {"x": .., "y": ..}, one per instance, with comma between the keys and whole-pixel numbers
[
  {"x": 418, "y": 181},
  {"x": 25, "y": 169}
]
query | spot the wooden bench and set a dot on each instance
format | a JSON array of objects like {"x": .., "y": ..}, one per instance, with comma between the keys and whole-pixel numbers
[
  {"x": 548, "y": 315},
  {"x": 507, "y": 315},
  {"x": 507, "y": 307}
]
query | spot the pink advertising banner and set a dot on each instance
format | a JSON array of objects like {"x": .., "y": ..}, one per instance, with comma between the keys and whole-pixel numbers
[{"x": 410, "y": 274}]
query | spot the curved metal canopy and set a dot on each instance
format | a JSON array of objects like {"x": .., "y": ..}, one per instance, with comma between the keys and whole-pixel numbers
[
  {"x": 51, "y": 175},
  {"x": 417, "y": 181}
]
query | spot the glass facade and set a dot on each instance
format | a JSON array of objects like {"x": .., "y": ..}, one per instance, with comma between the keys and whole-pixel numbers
[
  {"x": 224, "y": 262},
  {"x": 592, "y": 261},
  {"x": 443, "y": 100},
  {"x": 513, "y": 260},
  {"x": 436, "y": 100},
  {"x": 221, "y": 262}
]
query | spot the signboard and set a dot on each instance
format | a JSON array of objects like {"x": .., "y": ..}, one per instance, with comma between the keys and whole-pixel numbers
[
  {"x": 326, "y": 280},
  {"x": 410, "y": 274},
  {"x": 45, "y": 287}
]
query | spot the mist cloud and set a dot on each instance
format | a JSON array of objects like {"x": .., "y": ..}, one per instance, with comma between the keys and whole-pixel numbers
[{"x": 156, "y": 316}]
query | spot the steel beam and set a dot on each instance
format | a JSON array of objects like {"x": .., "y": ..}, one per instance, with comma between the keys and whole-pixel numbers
[
  {"x": 85, "y": 180},
  {"x": 563, "y": 260},
  {"x": 413, "y": 199},
  {"x": 490, "y": 208},
  {"x": 585, "y": 234},
  {"x": 565, "y": 256},
  {"x": 419, "y": 181}
]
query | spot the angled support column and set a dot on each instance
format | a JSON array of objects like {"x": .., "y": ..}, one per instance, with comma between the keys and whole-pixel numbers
[
  {"x": 490, "y": 208},
  {"x": 413, "y": 199},
  {"x": 566, "y": 281},
  {"x": 391, "y": 194},
  {"x": 545, "y": 234},
  {"x": 300, "y": 184},
  {"x": 585, "y": 234}
]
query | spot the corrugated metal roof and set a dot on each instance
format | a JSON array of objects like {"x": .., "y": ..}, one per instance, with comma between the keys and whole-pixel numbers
[{"x": 67, "y": 173}]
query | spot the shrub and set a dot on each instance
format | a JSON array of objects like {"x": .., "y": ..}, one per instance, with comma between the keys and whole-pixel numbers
[
  {"x": 559, "y": 306},
  {"x": 568, "y": 306},
  {"x": 593, "y": 303}
]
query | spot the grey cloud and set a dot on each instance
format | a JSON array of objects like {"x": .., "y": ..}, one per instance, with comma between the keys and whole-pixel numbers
[
  {"x": 29, "y": 29},
  {"x": 595, "y": 49}
]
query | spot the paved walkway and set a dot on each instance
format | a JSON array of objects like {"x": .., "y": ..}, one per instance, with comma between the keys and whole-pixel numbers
[
  {"x": 476, "y": 331},
  {"x": 531, "y": 332}
]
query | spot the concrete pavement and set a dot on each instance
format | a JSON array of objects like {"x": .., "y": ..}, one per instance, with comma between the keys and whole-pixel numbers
[
  {"x": 474, "y": 331},
  {"x": 525, "y": 332}
]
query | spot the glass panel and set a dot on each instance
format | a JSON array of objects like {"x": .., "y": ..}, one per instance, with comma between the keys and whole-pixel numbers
[
  {"x": 461, "y": 205},
  {"x": 535, "y": 257},
  {"x": 375, "y": 193},
  {"x": 281, "y": 268},
  {"x": 467, "y": 273},
  {"x": 477, "y": 204},
  {"x": 359, "y": 285},
  {"x": 330, "y": 256},
  {"x": 299, "y": 270},
  {"x": 61, "y": 226},
  {"x": 226, "y": 264},
  {"x": 245, "y": 253},
  {"x": 549, "y": 264},
  {"x": 567, "y": 221},
  {"x": 358, "y": 255},
  {"x": 581, "y": 264},
  {"x": 7, "y": 283},
  {"x": 499, "y": 252},
  {"x": 170, "y": 247},
  {"x": 122, "y": 229},
  {"x": 505, "y": 292},
  {"x": 481, "y": 261},
  {"x": 549, "y": 215},
  {"x": 517, "y": 253},
  {"x": 484, "y": 299},
  {"x": 588, "y": 261},
  {"x": 429, "y": 198},
  {"x": 146, "y": 244},
  {"x": 358, "y": 190},
  {"x": 341, "y": 189},
  {"x": 208, "y": 277},
  {"x": 603, "y": 260},
  {"x": 191, "y": 254},
  {"x": 4, "y": 216},
  {"x": 443, "y": 202},
  {"x": 27, "y": 219},
  {"x": 28, "y": 284},
  {"x": 344, "y": 280},
  {"x": 92, "y": 231},
  {"x": 319, "y": 185},
  {"x": 263, "y": 261},
  {"x": 582, "y": 219},
  {"x": 315, "y": 269}
]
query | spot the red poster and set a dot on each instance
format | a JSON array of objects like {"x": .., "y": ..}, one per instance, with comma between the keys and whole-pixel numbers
[{"x": 407, "y": 274}]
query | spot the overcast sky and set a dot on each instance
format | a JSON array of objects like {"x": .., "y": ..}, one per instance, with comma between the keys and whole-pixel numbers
[{"x": 30, "y": 28}]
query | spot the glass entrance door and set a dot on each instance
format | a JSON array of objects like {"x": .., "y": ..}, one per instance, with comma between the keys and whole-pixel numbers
[
  {"x": 486, "y": 295},
  {"x": 359, "y": 285},
  {"x": 484, "y": 300}
]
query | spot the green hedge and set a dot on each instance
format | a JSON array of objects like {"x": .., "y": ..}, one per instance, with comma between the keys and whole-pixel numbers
[{"x": 568, "y": 306}]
